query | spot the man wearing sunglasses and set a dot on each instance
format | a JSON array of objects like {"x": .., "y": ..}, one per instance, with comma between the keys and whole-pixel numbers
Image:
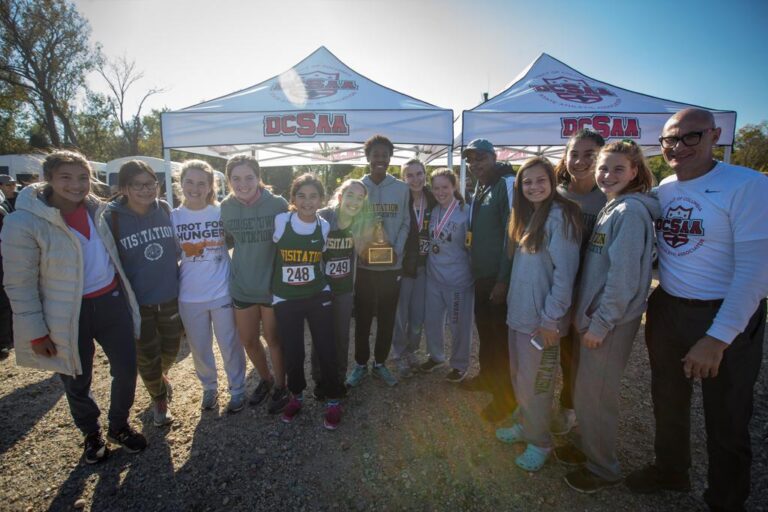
[{"x": 706, "y": 320}]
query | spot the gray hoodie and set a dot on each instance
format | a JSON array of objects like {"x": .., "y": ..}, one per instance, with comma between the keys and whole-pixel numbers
[
  {"x": 148, "y": 251},
  {"x": 388, "y": 201},
  {"x": 450, "y": 267},
  {"x": 541, "y": 284},
  {"x": 616, "y": 273}
]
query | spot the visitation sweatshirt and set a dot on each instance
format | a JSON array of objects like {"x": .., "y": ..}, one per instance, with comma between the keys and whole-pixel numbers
[
  {"x": 388, "y": 201},
  {"x": 541, "y": 283},
  {"x": 449, "y": 267},
  {"x": 251, "y": 228},
  {"x": 148, "y": 250},
  {"x": 616, "y": 273}
]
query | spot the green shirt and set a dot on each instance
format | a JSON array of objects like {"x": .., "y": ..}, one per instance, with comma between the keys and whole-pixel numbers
[
  {"x": 299, "y": 264},
  {"x": 251, "y": 228}
]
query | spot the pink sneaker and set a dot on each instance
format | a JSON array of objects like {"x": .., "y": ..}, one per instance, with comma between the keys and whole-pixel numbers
[
  {"x": 291, "y": 410},
  {"x": 332, "y": 416}
]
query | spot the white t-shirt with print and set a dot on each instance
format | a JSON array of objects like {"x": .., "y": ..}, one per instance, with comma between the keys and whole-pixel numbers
[
  {"x": 701, "y": 220},
  {"x": 204, "y": 273}
]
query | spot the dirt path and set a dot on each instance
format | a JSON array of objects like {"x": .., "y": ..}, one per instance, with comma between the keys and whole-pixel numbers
[{"x": 419, "y": 446}]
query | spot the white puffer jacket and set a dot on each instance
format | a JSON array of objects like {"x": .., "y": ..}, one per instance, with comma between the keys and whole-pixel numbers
[{"x": 43, "y": 267}]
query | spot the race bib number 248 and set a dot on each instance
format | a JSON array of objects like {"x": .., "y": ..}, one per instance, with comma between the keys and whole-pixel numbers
[{"x": 298, "y": 274}]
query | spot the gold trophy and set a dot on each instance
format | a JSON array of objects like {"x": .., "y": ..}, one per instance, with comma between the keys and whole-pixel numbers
[{"x": 380, "y": 251}]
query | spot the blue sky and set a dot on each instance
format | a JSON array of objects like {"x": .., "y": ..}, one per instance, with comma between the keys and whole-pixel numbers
[{"x": 713, "y": 54}]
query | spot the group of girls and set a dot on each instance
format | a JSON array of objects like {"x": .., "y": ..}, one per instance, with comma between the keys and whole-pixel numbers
[
  {"x": 581, "y": 252},
  {"x": 586, "y": 272}
]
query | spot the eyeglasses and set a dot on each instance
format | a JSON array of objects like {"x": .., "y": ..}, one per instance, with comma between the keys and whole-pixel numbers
[
  {"x": 138, "y": 187},
  {"x": 689, "y": 139}
]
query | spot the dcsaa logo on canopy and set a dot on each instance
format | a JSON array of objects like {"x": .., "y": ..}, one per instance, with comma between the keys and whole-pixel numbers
[
  {"x": 573, "y": 92},
  {"x": 319, "y": 85}
]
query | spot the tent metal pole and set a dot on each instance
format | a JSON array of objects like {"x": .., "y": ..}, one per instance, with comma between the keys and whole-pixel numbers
[
  {"x": 727, "y": 155},
  {"x": 462, "y": 172},
  {"x": 168, "y": 180}
]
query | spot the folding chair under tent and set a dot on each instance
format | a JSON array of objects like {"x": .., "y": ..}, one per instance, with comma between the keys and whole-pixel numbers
[
  {"x": 318, "y": 112},
  {"x": 549, "y": 101}
]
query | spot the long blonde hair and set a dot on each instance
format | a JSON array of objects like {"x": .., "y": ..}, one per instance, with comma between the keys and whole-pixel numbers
[{"x": 526, "y": 224}]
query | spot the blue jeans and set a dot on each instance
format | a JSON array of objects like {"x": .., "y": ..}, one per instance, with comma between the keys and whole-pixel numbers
[{"x": 107, "y": 319}]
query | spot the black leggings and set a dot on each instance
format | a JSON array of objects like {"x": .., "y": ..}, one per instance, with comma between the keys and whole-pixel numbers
[{"x": 376, "y": 294}]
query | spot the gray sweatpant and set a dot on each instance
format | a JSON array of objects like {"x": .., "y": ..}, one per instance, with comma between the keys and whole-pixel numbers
[
  {"x": 455, "y": 308},
  {"x": 596, "y": 398},
  {"x": 197, "y": 318},
  {"x": 533, "y": 374},
  {"x": 410, "y": 314}
]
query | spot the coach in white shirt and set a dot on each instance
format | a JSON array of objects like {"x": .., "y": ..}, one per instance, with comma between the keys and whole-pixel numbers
[{"x": 706, "y": 320}]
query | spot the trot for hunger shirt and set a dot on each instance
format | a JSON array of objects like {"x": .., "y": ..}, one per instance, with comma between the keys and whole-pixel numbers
[
  {"x": 204, "y": 275},
  {"x": 700, "y": 222}
]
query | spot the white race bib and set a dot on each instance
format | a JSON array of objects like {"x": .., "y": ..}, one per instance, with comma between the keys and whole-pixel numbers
[
  {"x": 424, "y": 246},
  {"x": 298, "y": 274},
  {"x": 338, "y": 268}
]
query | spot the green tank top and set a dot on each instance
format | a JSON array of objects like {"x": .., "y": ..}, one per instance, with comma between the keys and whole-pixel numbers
[
  {"x": 339, "y": 259},
  {"x": 299, "y": 264}
]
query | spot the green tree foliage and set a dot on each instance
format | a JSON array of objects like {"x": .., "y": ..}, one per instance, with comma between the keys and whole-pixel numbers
[
  {"x": 15, "y": 120},
  {"x": 45, "y": 50},
  {"x": 751, "y": 147}
]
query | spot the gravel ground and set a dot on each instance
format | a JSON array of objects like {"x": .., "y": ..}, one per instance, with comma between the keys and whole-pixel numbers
[{"x": 418, "y": 446}]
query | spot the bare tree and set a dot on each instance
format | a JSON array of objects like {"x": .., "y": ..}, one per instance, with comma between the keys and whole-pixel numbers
[
  {"x": 45, "y": 50},
  {"x": 121, "y": 75}
]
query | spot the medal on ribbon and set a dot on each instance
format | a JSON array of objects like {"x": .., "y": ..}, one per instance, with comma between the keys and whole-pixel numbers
[{"x": 440, "y": 225}]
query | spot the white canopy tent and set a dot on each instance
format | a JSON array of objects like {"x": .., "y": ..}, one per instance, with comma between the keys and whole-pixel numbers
[
  {"x": 549, "y": 101},
  {"x": 319, "y": 111}
]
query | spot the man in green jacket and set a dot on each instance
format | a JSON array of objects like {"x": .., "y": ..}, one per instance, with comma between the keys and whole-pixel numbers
[{"x": 489, "y": 215}]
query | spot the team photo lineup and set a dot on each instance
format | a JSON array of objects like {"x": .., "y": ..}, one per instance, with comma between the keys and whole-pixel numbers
[{"x": 553, "y": 264}]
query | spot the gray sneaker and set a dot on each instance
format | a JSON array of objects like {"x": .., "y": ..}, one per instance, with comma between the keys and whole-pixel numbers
[
  {"x": 236, "y": 403},
  {"x": 358, "y": 373},
  {"x": 403, "y": 367},
  {"x": 380, "y": 372},
  {"x": 160, "y": 414},
  {"x": 210, "y": 399}
]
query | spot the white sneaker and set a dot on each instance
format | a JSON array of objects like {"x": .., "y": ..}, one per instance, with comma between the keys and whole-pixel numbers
[{"x": 563, "y": 421}]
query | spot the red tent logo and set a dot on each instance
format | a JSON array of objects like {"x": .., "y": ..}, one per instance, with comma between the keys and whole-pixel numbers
[
  {"x": 317, "y": 85},
  {"x": 573, "y": 90}
]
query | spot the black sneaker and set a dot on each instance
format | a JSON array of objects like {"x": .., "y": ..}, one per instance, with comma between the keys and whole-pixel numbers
[
  {"x": 280, "y": 398},
  {"x": 455, "y": 376},
  {"x": 95, "y": 449},
  {"x": 5, "y": 352},
  {"x": 430, "y": 365},
  {"x": 261, "y": 392},
  {"x": 651, "y": 480},
  {"x": 585, "y": 481},
  {"x": 569, "y": 456},
  {"x": 129, "y": 439}
]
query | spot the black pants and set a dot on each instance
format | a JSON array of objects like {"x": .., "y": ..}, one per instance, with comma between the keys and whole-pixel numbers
[
  {"x": 491, "y": 322},
  {"x": 376, "y": 294},
  {"x": 107, "y": 319},
  {"x": 318, "y": 311},
  {"x": 569, "y": 364},
  {"x": 6, "y": 319},
  {"x": 673, "y": 327}
]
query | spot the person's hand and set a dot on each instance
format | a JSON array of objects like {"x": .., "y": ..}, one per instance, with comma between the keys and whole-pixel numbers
[
  {"x": 44, "y": 348},
  {"x": 592, "y": 340},
  {"x": 549, "y": 338},
  {"x": 498, "y": 294},
  {"x": 703, "y": 359}
]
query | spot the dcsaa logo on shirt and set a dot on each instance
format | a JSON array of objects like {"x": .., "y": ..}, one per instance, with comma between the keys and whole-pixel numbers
[{"x": 681, "y": 227}]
